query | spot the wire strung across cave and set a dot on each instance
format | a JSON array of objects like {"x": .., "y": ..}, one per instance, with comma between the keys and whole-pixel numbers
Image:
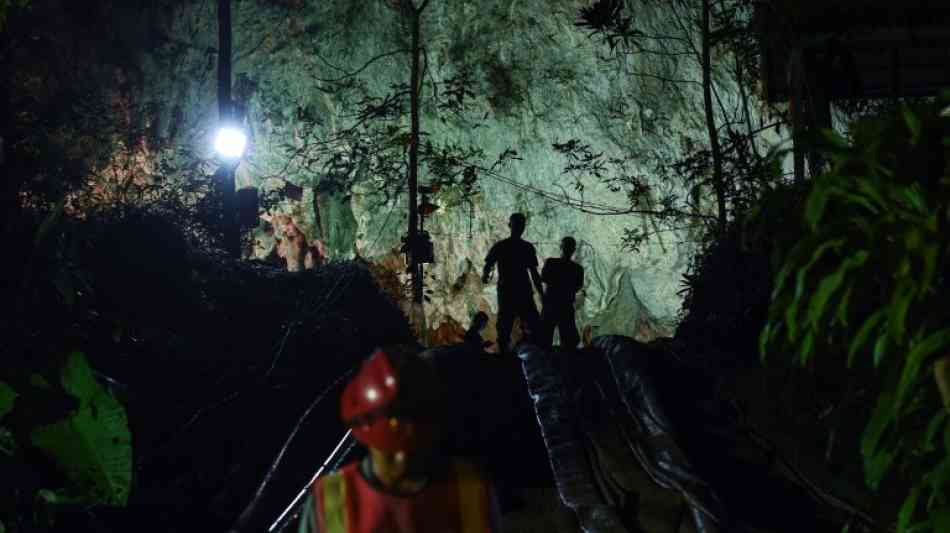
[{"x": 584, "y": 206}]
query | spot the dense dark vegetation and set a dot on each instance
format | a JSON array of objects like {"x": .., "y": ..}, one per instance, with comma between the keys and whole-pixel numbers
[{"x": 819, "y": 309}]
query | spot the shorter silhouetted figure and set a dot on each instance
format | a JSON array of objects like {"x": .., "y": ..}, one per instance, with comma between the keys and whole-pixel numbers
[
  {"x": 473, "y": 337},
  {"x": 516, "y": 260},
  {"x": 563, "y": 278}
]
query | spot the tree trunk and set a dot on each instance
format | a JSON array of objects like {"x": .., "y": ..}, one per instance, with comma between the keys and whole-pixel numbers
[{"x": 718, "y": 178}]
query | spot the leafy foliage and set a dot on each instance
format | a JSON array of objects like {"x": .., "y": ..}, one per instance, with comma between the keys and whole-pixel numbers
[
  {"x": 605, "y": 18},
  {"x": 92, "y": 445},
  {"x": 672, "y": 191},
  {"x": 74, "y": 423},
  {"x": 866, "y": 285}
]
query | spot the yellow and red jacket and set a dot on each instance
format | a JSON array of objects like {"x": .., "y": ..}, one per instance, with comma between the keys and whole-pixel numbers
[{"x": 458, "y": 501}]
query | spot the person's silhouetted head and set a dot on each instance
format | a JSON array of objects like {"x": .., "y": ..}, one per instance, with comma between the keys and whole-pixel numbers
[
  {"x": 568, "y": 245},
  {"x": 517, "y": 223}
]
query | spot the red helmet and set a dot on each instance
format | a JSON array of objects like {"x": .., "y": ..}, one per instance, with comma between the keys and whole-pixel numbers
[{"x": 392, "y": 404}]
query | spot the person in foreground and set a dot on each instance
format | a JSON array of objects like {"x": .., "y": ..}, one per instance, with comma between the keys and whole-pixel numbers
[{"x": 393, "y": 406}]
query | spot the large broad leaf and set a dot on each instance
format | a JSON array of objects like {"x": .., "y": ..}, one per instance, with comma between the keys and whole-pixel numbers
[{"x": 92, "y": 446}]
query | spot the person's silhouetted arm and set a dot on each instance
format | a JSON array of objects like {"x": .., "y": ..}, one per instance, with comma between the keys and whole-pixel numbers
[
  {"x": 536, "y": 278},
  {"x": 532, "y": 263},
  {"x": 580, "y": 279},
  {"x": 490, "y": 261}
]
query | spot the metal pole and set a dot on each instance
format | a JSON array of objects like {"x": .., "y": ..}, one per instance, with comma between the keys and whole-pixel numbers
[
  {"x": 230, "y": 230},
  {"x": 415, "y": 266}
]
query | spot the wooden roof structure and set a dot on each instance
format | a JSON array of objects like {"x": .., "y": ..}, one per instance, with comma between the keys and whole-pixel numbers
[{"x": 856, "y": 48}]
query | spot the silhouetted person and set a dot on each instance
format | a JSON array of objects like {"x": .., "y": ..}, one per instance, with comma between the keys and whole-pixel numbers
[
  {"x": 516, "y": 260},
  {"x": 473, "y": 337},
  {"x": 563, "y": 278}
]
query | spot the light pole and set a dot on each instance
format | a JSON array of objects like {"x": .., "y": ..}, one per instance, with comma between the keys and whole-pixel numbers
[{"x": 230, "y": 140}]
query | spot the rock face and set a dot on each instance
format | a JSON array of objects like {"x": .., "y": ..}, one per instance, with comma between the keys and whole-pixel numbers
[{"x": 532, "y": 79}]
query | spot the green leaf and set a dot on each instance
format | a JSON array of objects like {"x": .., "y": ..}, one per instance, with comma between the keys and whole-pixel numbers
[
  {"x": 941, "y": 520},
  {"x": 913, "y": 125},
  {"x": 880, "y": 349},
  {"x": 791, "y": 321},
  {"x": 764, "y": 337},
  {"x": 877, "y": 466},
  {"x": 826, "y": 288},
  {"x": 919, "y": 351},
  {"x": 830, "y": 284},
  {"x": 841, "y": 313},
  {"x": 806, "y": 348},
  {"x": 7, "y": 399},
  {"x": 869, "y": 189},
  {"x": 803, "y": 271},
  {"x": 933, "y": 428},
  {"x": 815, "y": 207},
  {"x": 863, "y": 333},
  {"x": 793, "y": 259},
  {"x": 897, "y": 319},
  {"x": 92, "y": 447},
  {"x": 880, "y": 419},
  {"x": 906, "y": 513},
  {"x": 914, "y": 197},
  {"x": 792, "y": 310}
]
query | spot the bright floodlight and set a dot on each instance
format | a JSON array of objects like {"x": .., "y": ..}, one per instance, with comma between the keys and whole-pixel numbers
[{"x": 230, "y": 142}]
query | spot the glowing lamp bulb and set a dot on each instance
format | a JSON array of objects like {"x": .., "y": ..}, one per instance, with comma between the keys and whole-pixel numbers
[{"x": 230, "y": 142}]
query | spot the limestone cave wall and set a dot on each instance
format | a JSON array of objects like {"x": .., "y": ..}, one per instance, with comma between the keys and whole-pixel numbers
[{"x": 535, "y": 79}]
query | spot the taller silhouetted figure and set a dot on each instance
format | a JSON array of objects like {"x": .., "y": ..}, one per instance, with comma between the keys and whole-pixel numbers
[
  {"x": 563, "y": 278},
  {"x": 516, "y": 260}
]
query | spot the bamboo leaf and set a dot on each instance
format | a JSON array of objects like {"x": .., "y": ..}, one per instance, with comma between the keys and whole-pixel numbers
[
  {"x": 877, "y": 466},
  {"x": 906, "y": 513},
  {"x": 897, "y": 318},
  {"x": 863, "y": 333},
  {"x": 868, "y": 189},
  {"x": 880, "y": 349},
  {"x": 880, "y": 419},
  {"x": 815, "y": 207},
  {"x": 764, "y": 337},
  {"x": 807, "y": 346},
  {"x": 933, "y": 428},
  {"x": 841, "y": 313},
  {"x": 794, "y": 258},
  {"x": 802, "y": 273},
  {"x": 830, "y": 284},
  {"x": 918, "y": 353}
]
